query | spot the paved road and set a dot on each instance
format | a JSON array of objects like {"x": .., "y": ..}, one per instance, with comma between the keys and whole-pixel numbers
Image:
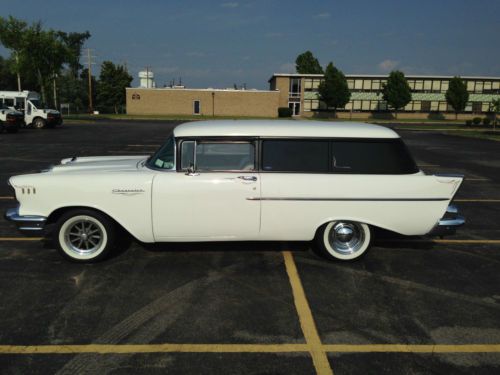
[{"x": 239, "y": 307}]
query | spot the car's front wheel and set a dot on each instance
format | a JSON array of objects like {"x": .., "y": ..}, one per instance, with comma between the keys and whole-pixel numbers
[
  {"x": 39, "y": 123},
  {"x": 343, "y": 240},
  {"x": 84, "y": 236}
]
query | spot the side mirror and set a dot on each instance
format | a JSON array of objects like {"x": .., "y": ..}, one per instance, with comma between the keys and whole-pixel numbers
[{"x": 191, "y": 171}]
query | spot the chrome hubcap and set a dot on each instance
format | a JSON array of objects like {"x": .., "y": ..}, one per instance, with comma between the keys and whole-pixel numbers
[
  {"x": 346, "y": 237},
  {"x": 83, "y": 237}
]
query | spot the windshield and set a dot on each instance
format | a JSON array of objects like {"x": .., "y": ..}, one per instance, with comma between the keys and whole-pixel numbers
[
  {"x": 164, "y": 158},
  {"x": 37, "y": 103}
]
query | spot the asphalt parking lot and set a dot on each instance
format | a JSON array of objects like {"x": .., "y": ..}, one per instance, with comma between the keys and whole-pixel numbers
[{"x": 410, "y": 306}]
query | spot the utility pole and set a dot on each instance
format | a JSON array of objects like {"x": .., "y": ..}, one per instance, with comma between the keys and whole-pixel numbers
[
  {"x": 55, "y": 90},
  {"x": 89, "y": 64}
]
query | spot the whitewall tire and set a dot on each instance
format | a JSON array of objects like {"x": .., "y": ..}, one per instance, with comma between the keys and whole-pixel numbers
[
  {"x": 84, "y": 236},
  {"x": 343, "y": 240}
]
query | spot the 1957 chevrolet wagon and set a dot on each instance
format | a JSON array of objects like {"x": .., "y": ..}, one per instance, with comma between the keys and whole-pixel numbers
[{"x": 241, "y": 181}]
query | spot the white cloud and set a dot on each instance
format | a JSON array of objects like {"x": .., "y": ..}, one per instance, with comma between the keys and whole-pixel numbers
[
  {"x": 323, "y": 15},
  {"x": 230, "y": 5},
  {"x": 388, "y": 65},
  {"x": 287, "y": 68}
]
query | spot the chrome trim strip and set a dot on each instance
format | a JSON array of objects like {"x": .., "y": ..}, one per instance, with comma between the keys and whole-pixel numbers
[{"x": 348, "y": 199}]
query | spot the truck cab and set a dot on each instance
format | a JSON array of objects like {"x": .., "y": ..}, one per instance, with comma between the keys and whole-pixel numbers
[
  {"x": 34, "y": 112},
  {"x": 10, "y": 120}
]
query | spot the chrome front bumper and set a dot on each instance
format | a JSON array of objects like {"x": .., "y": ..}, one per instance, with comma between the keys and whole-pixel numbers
[
  {"x": 449, "y": 223},
  {"x": 27, "y": 224}
]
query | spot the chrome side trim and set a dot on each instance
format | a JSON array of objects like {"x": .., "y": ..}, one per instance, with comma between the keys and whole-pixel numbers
[{"x": 347, "y": 199}]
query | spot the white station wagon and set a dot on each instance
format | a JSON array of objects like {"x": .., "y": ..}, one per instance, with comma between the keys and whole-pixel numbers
[{"x": 241, "y": 181}]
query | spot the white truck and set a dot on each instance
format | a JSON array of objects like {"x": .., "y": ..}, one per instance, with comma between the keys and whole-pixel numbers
[
  {"x": 10, "y": 120},
  {"x": 29, "y": 103}
]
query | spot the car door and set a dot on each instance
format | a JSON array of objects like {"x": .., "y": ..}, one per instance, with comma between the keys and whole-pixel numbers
[{"x": 209, "y": 197}]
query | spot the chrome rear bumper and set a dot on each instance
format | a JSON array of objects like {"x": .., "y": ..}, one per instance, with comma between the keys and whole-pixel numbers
[
  {"x": 27, "y": 224},
  {"x": 449, "y": 223}
]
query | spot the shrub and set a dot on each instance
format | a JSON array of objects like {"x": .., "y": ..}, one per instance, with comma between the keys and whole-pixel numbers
[
  {"x": 486, "y": 121},
  {"x": 476, "y": 120},
  {"x": 284, "y": 112},
  {"x": 468, "y": 122}
]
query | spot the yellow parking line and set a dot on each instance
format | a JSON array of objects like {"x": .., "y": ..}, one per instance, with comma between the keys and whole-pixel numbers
[
  {"x": 21, "y": 238},
  {"x": 245, "y": 348},
  {"x": 320, "y": 360},
  {"x": 477, "y": 179},
  {"x": 398, "y": 348},
  {"x": 7, "y": 198},
  {"x": 153, "y": 348}
]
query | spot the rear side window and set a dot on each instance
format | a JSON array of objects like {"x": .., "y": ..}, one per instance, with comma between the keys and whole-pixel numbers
[
  {"x": 385, "y": 156},
  {"x": 295, "y": 156},
  {"x": 219, "y": 156},
  {"x": 354, "y": 156}
]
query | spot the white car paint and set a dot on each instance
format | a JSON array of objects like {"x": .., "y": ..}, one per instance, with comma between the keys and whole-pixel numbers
[{"x": 168, "y": 205}]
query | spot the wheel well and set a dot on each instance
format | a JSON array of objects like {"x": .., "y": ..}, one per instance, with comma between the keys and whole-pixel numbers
[{"x": 55, "y": 215}]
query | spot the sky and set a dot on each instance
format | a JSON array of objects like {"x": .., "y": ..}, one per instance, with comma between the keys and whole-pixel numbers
[{"x": 221, "y": 43}]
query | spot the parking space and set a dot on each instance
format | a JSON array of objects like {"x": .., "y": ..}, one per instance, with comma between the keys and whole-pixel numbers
[{"x": 411, "y": 305}]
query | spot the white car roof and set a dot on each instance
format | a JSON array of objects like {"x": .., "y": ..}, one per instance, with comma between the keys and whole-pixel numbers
[{"x": 282, "y": 128}]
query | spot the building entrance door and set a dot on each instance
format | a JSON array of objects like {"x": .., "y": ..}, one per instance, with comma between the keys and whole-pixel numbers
[{"x": 295, "y": 107}]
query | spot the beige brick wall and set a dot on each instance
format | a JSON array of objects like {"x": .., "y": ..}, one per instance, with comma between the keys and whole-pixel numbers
[
  {"x": 282, "y": 84},
  {"x": 222, "y": 103}
]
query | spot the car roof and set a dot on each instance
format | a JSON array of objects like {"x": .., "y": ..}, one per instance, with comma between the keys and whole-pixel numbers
[{"x": 282, "y": 128}]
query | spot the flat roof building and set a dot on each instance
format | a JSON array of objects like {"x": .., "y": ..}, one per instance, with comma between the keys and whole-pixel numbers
[{"x": 299, "y": 92}]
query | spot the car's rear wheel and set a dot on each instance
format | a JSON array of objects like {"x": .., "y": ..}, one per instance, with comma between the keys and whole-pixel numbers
[
  {"x": 343, "y": 240},
  {"x": 84, "y": 236}
]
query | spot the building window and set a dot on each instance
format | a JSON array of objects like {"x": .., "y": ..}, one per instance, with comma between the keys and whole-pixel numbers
[
  {"x": 442, "y": 106},
  {"x": 376, "y": 85},
  {"x": 350, "y": 84},
  {"x": 427, "y": 86},
  {"x": 196, "y": 107},
  {"x": 470, "y": 86},
  {"x": 476, "y": 107},
  {"x": 358, "y": 84},
  {"x": 295, "y": 87},
  {"x": 419, "y": 85},
  {"x": 426, "y": 106},
  {"x": 479, "y": 87},
  {"x": 445, "y": 85},
  {"x": 436, "y": 86}
]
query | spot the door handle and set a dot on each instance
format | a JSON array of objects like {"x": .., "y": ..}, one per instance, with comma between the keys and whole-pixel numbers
[{"x": 248, "y": 178}]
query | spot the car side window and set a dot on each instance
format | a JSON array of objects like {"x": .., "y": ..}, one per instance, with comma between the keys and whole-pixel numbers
[
  {"x": 187, "y": 154},
  {"x": 308, "y": 156},
  {"x": 218, "y": 155}
]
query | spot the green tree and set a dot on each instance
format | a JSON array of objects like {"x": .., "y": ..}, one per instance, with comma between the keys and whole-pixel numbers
[
  {"x": 74, "y": 43},
  {"x": 111, "y": 86},
  {"x": 457, "y": 95},
  {"x": 12, "y": 32},
  {"x": 396, "y": 92},
  {"x": 495, "y": 108},
  {"x": 306, "y": 63},
  {"x": 333, "y": 91},
  {"x": 7, "y": 78}
]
